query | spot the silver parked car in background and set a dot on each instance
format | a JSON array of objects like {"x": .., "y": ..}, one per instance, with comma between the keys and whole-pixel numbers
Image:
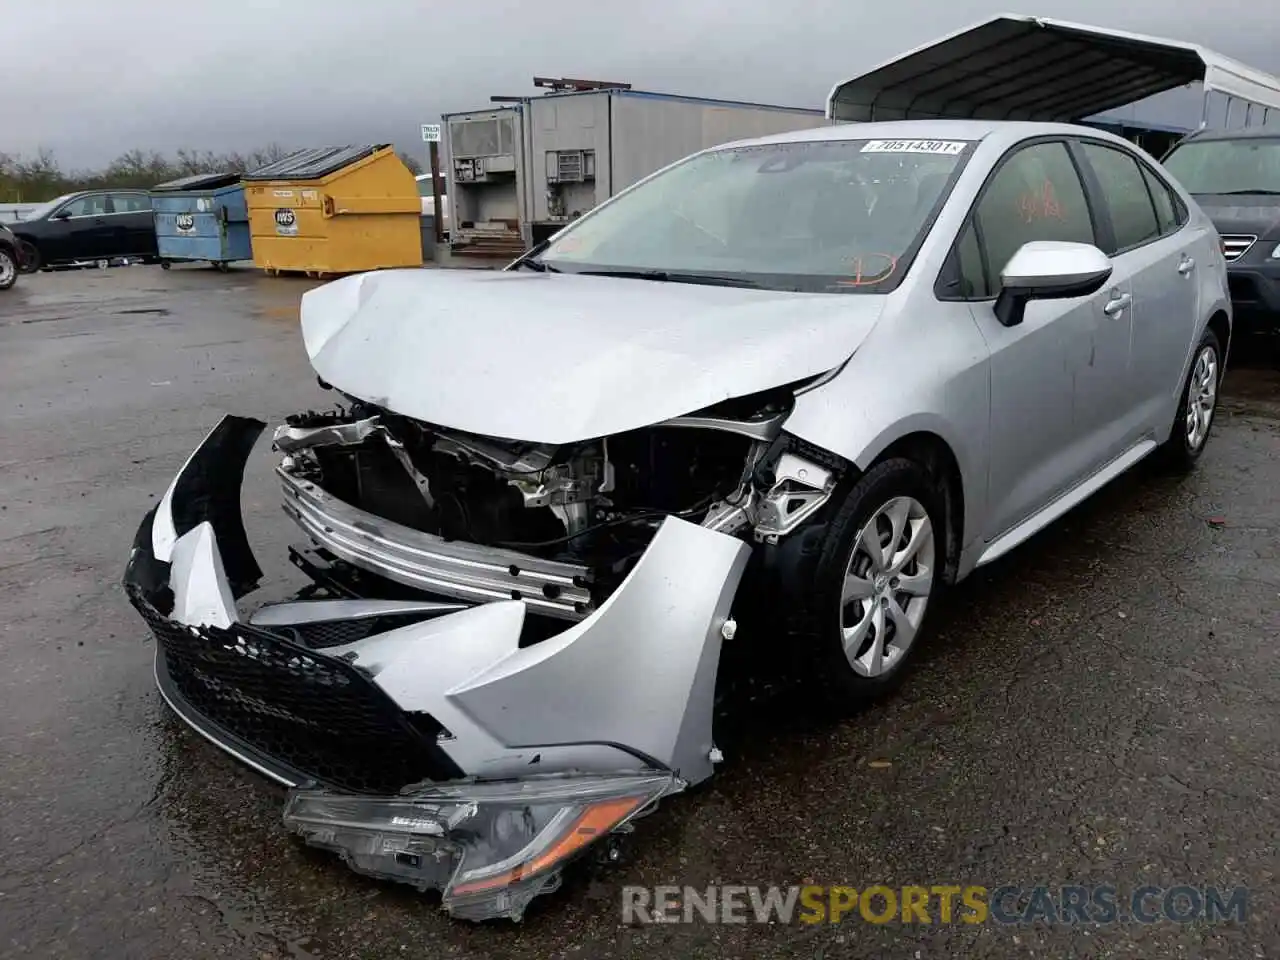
[{"x": 779, "y": 393}]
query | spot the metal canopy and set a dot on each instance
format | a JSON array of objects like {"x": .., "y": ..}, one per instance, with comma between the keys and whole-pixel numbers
[{"x": 1016, "y": 67}]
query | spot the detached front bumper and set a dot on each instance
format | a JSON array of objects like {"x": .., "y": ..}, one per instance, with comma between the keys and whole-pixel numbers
[{"x": 420, "y": 740}]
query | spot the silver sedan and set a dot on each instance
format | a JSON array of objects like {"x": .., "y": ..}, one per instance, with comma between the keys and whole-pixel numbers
[{"x": 777, "y": 394}]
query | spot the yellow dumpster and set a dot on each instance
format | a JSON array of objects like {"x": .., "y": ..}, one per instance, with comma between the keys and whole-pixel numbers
[{"x": 333, "y": 210}]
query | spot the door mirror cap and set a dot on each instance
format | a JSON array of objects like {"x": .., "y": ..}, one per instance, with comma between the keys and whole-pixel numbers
[
  {"x": 63, "y": 214},
  {"x": 1049, "y": 270}
]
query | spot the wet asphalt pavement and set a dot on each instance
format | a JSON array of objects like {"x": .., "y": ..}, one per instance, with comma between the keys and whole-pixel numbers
[{"x": 1097, "y": 708}]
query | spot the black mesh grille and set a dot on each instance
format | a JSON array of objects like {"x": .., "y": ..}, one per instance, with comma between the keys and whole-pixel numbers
[
  {"x": 316, "y": 714},
  {"x": 335, "y": 633}
]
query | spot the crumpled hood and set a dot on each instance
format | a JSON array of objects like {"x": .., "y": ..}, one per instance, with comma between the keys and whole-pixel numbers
[
  {"x": 556, "y": 358},
  {"x": 1258, "y": 215}
]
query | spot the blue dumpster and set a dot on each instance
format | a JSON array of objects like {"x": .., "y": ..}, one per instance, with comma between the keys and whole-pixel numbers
[{"x": 202, "y": 218}]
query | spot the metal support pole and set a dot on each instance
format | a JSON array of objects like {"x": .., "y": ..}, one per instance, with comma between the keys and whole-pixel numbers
[
  {"x": 437, "y": 187},
  {"x": 1248, "y": 113},
  {"x": 1204, "y": 110},
  {"x": 1226, "y": 120}
]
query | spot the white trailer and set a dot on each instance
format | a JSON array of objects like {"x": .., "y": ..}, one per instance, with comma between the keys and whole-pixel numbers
[
  {"x": 583, "y": 147},
  {"x": 485, "y": 180},
  {"x": 572, "y": 150}
]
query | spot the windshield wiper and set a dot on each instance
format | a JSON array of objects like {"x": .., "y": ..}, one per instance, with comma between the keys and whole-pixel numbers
[
  {"x": 1245, "y": 193},
  {"x": 538, "y": 265},
  {"x": 667, "y": 276}
]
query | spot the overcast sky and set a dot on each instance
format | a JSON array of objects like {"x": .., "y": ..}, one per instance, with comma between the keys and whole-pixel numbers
[{"x": 90, "y": 79}]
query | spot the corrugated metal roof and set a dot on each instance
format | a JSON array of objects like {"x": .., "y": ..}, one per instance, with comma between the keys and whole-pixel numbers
[
  {"x": 314, "y": 163},
  {"x": 199, "y": 181},
  {"x": 1032, "y": 68}
]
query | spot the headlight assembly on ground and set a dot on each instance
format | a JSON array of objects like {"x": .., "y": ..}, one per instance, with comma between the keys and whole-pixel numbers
[{"x": 490, "y": 848}]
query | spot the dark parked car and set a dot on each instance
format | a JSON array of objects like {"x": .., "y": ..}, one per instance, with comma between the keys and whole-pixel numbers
[
  {"x": 1235, "y": 177},
  {"x": 10, "y": 260},
  {"x": 86, "y": 226}
]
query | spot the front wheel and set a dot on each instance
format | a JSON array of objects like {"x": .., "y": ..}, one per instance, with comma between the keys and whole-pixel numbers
[
  {"x": 8, "y": 268},
  {"x": 876, "y": 577},
  {"x": 1194, "y": 419},
  {"x": 29, "y": 259}
]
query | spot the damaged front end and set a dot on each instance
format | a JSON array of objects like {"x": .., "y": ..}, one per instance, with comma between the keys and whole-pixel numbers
[
  {"x": 558, "y": 527},
  {"x": 509, "y": 650}
]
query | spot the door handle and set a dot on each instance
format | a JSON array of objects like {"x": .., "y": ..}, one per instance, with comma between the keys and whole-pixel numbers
[
  {"x": 1186, "y": 265},
  {"x": 1115, "y": 306}
]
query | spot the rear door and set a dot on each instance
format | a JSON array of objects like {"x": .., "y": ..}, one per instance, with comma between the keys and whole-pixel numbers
[
  {"x": 1056, "y": 376},
  {"x": 135, "y": 231},
  {"x": 1150, "y": 241}
]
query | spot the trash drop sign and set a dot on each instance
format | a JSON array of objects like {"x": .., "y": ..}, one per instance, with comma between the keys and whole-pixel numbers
[
  {"x": 286, "y": 222},
  {"x": 431, "y": 133}
]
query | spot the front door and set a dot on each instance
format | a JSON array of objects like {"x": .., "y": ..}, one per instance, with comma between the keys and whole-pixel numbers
[
  {"x": 84, "y": 229},
  {"x": 1058, "y": 377}
]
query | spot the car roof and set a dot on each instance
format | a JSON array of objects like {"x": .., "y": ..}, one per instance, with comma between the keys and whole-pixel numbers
[{"x": 1007, "y": 130}]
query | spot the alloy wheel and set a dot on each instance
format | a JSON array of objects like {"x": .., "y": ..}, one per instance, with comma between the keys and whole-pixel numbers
[
  {"x": 1202, "y": 396},
  {"x": 8, "y": 270},
  {"x": 887, "y": 586}
]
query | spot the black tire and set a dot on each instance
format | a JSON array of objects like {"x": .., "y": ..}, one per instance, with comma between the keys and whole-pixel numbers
[
  {"x": 222, "y": 266},
  {"x": 1180, "y": 452},
  {"x": 165, "y": 265},
  {"x": 818, "y": 627},
  {"x": 30, "y": 259},
  {"x": 8, "y": 268}
]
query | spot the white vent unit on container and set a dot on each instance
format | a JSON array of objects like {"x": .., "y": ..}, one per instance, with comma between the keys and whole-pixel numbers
[{"x": 571, "y": 166}]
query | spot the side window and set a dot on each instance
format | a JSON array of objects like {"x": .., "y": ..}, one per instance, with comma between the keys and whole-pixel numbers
[
  {"x": 1125, "y": 191},
  {"x": 1035, "y": 195},
  {"x": 130, "y": 203},
  {"x": 1170, "y": 213},
  {"x": 94, "y": 205}
]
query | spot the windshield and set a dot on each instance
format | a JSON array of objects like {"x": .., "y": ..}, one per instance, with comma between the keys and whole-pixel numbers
[
  {"x": 46, "y": 208},
  {"x": 842, "y": 215},
  {"x": 1247, "y": 165}
]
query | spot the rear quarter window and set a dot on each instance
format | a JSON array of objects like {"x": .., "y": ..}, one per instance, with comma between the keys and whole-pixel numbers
[{"x": 1170, "y": 213}]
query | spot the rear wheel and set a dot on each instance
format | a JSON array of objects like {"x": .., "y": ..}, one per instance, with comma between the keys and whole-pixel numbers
[
  {"x": 8, "y": 268},
  {"x": 875, "y": 581},
  {"x": 1199, "y": 403},
  {"x": 165, "y": 264}
]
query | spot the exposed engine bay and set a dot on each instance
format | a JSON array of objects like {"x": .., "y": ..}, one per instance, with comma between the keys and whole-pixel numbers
[{"x": 586, "y": 509}]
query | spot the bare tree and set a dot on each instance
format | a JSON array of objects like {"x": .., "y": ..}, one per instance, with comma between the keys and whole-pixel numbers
[{"x": 410, "y": 161}]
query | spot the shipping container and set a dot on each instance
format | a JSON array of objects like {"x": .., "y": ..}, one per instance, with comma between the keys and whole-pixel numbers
[{"x": 560, "y": 154}]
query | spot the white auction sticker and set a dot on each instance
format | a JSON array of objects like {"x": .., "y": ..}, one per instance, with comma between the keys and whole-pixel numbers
[{"x": 947, "y": 147}]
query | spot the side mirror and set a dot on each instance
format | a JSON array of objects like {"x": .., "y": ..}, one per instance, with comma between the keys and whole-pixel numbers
[
  {"x": 63, "y": 214},
  {"x": 1049, "y": 270}
]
